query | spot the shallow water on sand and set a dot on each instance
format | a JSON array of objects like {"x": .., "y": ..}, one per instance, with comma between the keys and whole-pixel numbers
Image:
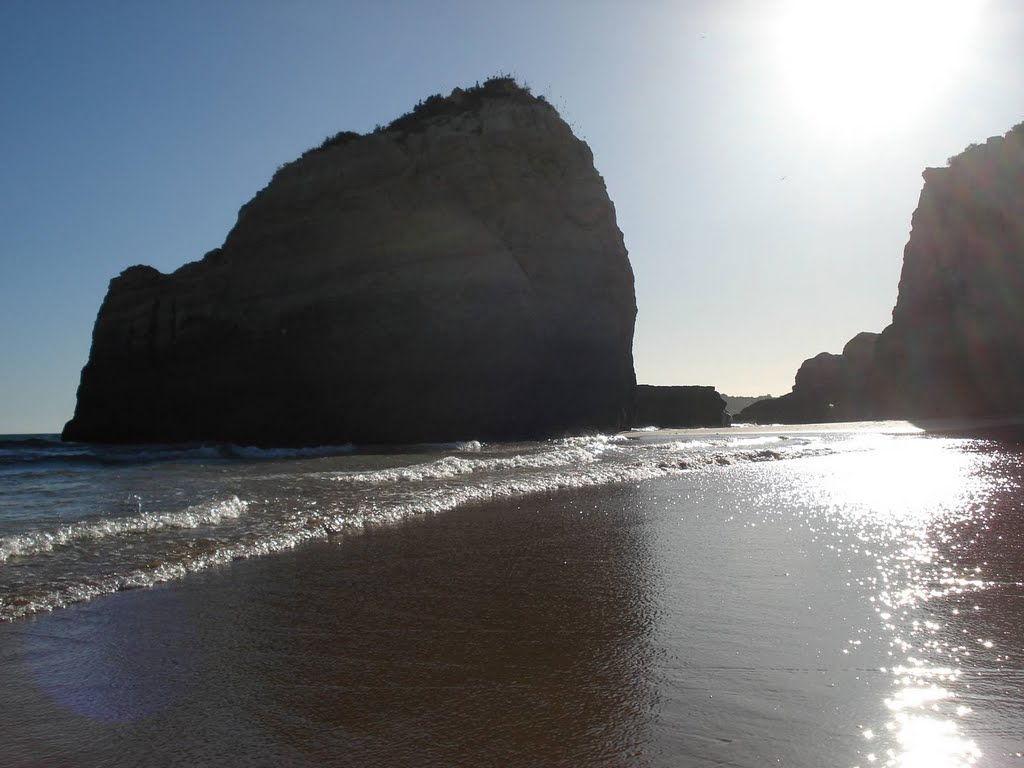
[{"x": 852, "y": 607}]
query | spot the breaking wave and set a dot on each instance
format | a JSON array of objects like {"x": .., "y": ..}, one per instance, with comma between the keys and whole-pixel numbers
[
  {"x": 36, "y": 542},
  {"x": 53, "y": 567}
]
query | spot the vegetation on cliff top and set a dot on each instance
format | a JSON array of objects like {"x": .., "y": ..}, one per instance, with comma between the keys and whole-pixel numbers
[
  {"x": 1016, "y": 133},
  {"x": 460, "y": 101}
]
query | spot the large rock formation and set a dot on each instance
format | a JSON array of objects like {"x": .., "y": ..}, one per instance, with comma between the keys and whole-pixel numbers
[
  {"x": 956, "y": 343},
  {"x": 457, "y": 274},
  {"x": 679, "y": 407}
]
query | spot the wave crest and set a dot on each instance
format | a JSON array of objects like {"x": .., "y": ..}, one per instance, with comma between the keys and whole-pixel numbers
[{"x": 37, "y": 542}]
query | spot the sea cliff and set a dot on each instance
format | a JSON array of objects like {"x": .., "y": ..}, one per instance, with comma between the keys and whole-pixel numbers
[
  {"x": 457, "y": 274},
  {"x": 955, "y": 347}
]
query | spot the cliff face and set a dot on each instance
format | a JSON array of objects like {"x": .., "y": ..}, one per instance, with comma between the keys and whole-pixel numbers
[
  {"x": 956, "y": 343},
  {"x": 669, "y": 407},
  {"x": 459, "y": 274}
]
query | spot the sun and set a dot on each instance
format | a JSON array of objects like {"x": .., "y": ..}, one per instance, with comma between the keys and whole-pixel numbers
[{"x": 856, "y": 70}]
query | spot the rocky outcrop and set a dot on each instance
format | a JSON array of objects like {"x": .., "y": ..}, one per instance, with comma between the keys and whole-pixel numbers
[
  {"x": 670, "y": 407},
  {"x": 956, "y": 343},
  {"x": 457, "y": 274},
  {"x": 828, "y": 388}
]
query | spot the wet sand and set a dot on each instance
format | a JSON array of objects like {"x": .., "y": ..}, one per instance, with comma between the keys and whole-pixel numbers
[{"x": 723, "y": 618}]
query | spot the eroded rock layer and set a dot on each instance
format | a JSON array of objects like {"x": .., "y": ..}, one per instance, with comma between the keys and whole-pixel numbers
[{"x": 459, "y": 274}]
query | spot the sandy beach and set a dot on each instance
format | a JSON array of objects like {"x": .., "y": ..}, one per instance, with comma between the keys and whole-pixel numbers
[{"x": 731, "y": 617}]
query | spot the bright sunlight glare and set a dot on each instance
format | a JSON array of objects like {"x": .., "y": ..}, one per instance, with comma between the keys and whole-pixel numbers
[{"x": 862, "y": 69}]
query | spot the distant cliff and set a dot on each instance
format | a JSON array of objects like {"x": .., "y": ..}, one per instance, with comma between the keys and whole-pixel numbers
[
  {"x": 956, "y": 343},
  {"x": 828, "y": 388},
  {"x": 456, "y": 274},
  {"x": 669, "y": 407}
]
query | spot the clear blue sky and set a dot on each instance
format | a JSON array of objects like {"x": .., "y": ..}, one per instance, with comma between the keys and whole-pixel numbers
[{"x": 764, "y": 156}]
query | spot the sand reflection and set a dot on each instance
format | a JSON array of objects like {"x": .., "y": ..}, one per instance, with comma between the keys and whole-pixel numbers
[
  {"x": 496, "y": 635},
  {"x": 490, "y": 635}
]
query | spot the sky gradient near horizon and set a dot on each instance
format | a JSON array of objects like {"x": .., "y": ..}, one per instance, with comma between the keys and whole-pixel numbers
[{"x": 764, "y": 156}]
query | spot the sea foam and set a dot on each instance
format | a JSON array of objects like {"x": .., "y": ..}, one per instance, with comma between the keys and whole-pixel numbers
[
  {"x": 303, "y": 503},
  {"x": 37, "y": 542}
]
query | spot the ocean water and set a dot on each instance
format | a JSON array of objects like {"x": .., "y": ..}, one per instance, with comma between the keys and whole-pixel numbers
[{"x": 850, "y": 595}]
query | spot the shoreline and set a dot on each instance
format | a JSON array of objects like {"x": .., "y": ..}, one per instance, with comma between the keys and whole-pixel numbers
[
  {"x": 568, "y": 629},
  {"x": 746, "y": 613},
  {"x": 954, "y": 426}
]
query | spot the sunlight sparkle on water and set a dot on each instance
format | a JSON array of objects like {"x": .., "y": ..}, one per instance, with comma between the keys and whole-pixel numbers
[
  {"x": 931, "y": 742},
  {"x": 900, "y": 499},
  {"x": 898, "y": 487}
]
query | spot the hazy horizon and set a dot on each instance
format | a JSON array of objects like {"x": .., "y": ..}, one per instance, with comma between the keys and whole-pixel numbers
[{"x": 764, "y": 158}]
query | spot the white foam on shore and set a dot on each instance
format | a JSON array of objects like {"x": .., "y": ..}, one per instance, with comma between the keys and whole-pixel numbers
[
  {"x": 375, "y": 498},
  {"x": 49, "y": 597},
  {"x": 37, "y": 542},
  {"x": 571, "y": 451},
  {"x": 551, "y": 477},
  {"x": 454, "y": 466},
  {"x": 457, "y": 445}
]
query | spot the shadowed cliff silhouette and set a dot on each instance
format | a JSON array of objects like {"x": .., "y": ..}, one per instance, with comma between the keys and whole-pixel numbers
[
  {"x": 955, "y": 347},
  {"x": 457, "y": 274}
]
